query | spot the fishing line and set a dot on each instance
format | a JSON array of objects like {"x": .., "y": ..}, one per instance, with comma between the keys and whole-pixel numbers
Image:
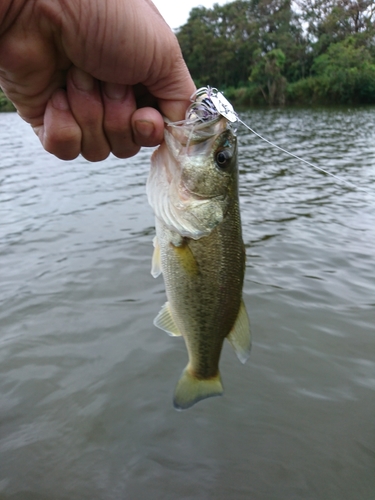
[
  {"x": 208, "y": 102},
  {"x": 348, "y": 183}
]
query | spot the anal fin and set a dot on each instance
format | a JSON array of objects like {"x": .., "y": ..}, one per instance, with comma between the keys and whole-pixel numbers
[
  {"x": 165, "y": 321},
  {"x": 240, "y": 335}
]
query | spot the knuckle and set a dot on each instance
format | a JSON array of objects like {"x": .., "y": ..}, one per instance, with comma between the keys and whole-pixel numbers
[
  {"x": 125, "y": 152},
  {"x": 94, "y": 154},
  {"x": 65, "y": 144}
]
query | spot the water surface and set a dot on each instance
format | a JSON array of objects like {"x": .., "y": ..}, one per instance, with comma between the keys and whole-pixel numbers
[{"x": 86, "y": 380}]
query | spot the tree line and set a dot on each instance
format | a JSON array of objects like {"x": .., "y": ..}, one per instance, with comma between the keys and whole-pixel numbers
[
  {"x": 279, "y": 51},
  {"x": 282, "y": 51}
]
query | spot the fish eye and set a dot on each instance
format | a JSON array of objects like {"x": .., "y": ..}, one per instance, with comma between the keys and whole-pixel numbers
[{"x": 223, "y": 157}]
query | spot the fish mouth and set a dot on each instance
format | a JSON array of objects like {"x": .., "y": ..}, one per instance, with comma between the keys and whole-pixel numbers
[{"x": 194, "y": 132}]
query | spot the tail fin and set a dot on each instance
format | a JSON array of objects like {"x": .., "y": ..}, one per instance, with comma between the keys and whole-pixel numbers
[{"x": 190, "y": 390}]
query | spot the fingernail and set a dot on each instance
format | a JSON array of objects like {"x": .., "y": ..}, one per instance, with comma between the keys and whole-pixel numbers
[
  {"x": 82, "y": 80},
  {"x": 59, "y": 101},
  {"x": 144, "y": 128},
  {"x": 115, "y": 90}
]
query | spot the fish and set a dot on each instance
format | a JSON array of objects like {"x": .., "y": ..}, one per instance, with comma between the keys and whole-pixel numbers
[{"x": 193, "y": 190}]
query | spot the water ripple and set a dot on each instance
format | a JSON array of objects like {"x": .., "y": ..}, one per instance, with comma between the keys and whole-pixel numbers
[{"x": 86, "y": 380}]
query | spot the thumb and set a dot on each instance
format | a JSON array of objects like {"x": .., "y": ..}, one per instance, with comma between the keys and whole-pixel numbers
[{"x": 174, "y": 93}]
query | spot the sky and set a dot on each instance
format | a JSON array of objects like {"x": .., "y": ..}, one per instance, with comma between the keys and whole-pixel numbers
[{"x": 176, "y": 13}]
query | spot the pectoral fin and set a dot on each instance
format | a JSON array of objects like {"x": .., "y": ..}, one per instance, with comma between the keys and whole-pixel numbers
[
  {"x": 156, "y": 260},
  {"x": 190, "y": 390},
  {"x": 165, "y": 321},
  {"x": 240, "y": 335},
  {"x": 187, "y": 259}
]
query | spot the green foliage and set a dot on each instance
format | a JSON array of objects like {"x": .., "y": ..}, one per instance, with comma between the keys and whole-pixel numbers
[
  {"x": 220, "y": 44},
  {"x": 266, "y": 74},
  {"x": 5, "y": 104},
  {"x": 346, "y": 73},
  {"x": 302, "y": 91},
  {"x": 248, "y": 95},
  {"x": 276, "y": 51}
]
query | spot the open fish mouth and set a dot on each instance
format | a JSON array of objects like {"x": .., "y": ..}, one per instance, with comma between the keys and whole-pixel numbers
[
  {"x": 185, "y": 188},
  {"x": 207, "y": 109}
]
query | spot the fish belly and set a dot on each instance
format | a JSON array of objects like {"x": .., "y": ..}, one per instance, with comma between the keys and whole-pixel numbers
[{"x": 203, "y": 280}]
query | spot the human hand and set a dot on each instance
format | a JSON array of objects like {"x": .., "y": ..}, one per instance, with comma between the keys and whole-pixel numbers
[{"x": 80, "y": 72}]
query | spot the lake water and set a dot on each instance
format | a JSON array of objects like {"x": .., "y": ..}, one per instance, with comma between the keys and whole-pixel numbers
[{"x": 86, "y": 380}]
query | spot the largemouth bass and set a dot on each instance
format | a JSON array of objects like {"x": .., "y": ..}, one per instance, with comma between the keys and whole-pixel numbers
[{"x": 193, "y": 190}]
